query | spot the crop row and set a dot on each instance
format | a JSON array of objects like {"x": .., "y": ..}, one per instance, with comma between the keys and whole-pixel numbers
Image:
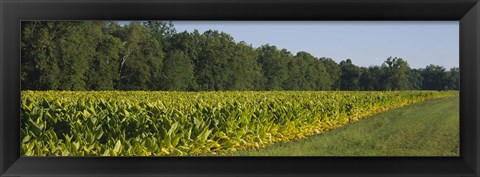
[{"x": 139, "y": 123}]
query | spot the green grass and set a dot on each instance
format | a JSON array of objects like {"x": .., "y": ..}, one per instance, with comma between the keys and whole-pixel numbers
[{"x": 430, "y": 128}]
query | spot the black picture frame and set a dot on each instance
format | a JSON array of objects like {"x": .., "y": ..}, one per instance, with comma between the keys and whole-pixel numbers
[{"x": 12, "y": 12}]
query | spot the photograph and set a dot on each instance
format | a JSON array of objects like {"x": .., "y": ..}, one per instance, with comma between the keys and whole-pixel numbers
[{"x": 240, "y": 88}]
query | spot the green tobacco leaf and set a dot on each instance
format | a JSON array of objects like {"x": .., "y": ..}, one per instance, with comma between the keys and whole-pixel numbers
[
  {"x": 117, "y": 147},
  {"x": 172, "y": 129},
  {"x": 26, "y": 139}
]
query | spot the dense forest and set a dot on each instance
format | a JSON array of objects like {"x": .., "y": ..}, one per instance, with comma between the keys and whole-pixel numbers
[{"x": 152, "y": 55}]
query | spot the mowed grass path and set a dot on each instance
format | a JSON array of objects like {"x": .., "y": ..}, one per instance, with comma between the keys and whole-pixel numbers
[{"x": 430, "y": 128}]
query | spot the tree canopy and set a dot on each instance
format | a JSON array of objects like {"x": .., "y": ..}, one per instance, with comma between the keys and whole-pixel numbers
[{"x": 152, "y": 55}]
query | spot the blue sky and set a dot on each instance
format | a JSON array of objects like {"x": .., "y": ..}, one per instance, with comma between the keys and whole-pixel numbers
[{"x": 366, "y": 43}]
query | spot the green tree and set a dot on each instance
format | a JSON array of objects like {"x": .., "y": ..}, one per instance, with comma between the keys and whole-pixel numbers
[
  {"x": 102, "y": 73},
  {"x": 453, "y": 79},
  {"x": 305, "y": 72},
  {"x": 396, "y": 73},
  {"x": 158, "y": 43},
  {"x": 211, "y": 67},
  {"x": 190, "y": 44},
  {"x": 296, "y": 75},
  {"x": 244, "y": 70},
  {"x": 142, "y": 58},
  {"x": 350, "y": 75},
  {"x": 40, "y": 56},
  {"x": 434, "y": 78},
  {"x": 333, "y": 72},
  {"x": 273, "y": 63},
  {"x": 178, "y": 71},
  {"x": 367, "y": 79},
  {"x": 416, "y": 79},
  {"x": 161, "y": 33},
  {"x": 58, "y": 54},
  {"x": 132, "y": 73}
]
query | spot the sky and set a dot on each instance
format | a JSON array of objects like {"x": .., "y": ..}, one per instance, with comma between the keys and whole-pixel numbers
[{"x": 366, "y": 43}]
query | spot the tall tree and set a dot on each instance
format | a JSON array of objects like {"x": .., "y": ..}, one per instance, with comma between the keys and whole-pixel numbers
[
  {"x": 102, "y": 73},
  {"x": 296, "y": 74},
  {"x": 178, "y": 71},
  {"x": 453, "y": 79},
  {"x": 211, "y": 72},
  {"x": 305, "y": 72},
  {"x": 133, "y": 73},
  {"x": 367, "y": 79},
  {"x": 143, "y": 55},
  {"x": 273, "y": 63},
  {"x": 416, "y": 79},
  {"x": 333, "y": 72},
  {"x": 245, "y": 72},
  {"x": 190, "y": 45},
  {"x": 434, "y": 78},
  {"x": 40, "y": 56},
  {"x": 396, "y": 73},
  {"x": 350, "y": 75}
]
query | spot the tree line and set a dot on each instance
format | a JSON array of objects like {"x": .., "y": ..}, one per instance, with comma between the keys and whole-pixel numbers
[{"x": 152, "y": 55}]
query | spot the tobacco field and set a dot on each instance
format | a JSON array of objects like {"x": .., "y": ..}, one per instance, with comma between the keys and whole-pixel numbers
[{"x": 157, "y": 123}]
